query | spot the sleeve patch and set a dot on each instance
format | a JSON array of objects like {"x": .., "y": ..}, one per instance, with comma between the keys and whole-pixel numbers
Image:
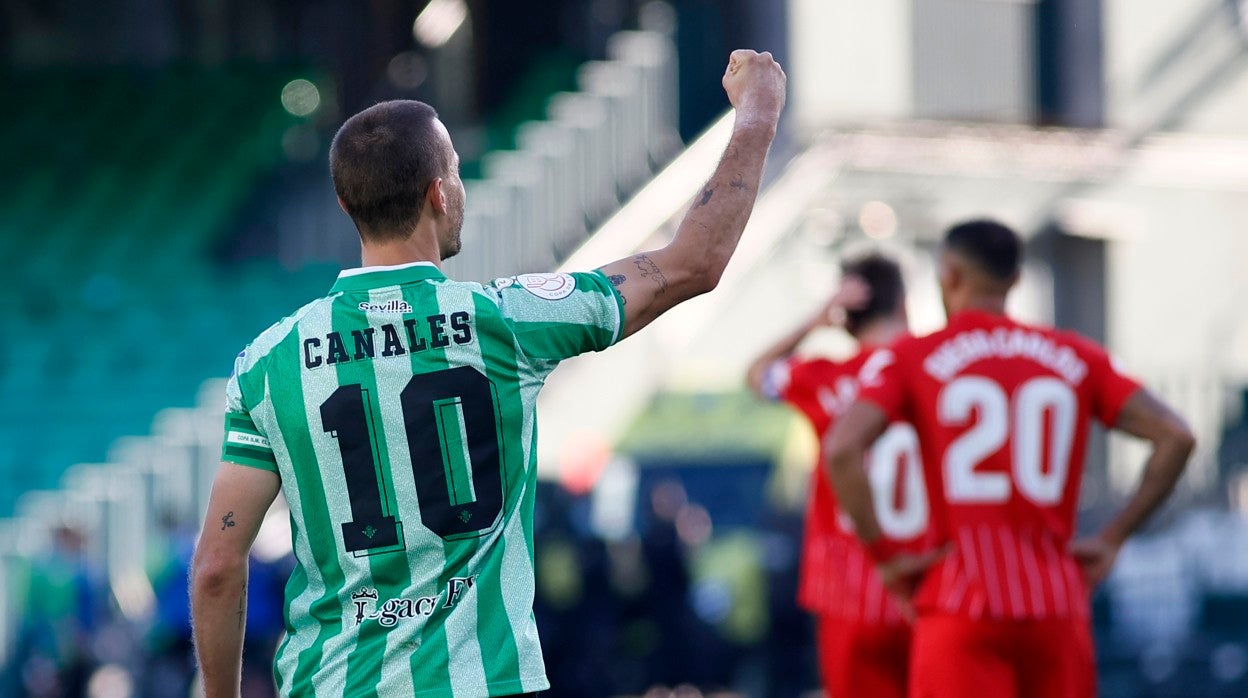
[
  {"x": 245, "y": 439},
  {"x": 776, "y": 380},
  {"x": 551, "y": 287},
  {"x": 245, "y": 445}
]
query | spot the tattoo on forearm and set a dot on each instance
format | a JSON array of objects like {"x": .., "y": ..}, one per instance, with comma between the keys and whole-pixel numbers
[
  {"x": 227, "y": 521},
  {"x": 616, "y": 280},
  {"x": 242, "y": 606},
  {"x": 650, "y": 270},
  {"x": 707, "y": 193},
  {"x": 738, "y": 182}
]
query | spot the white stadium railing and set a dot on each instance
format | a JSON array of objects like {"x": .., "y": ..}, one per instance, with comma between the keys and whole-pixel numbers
[{"x": 598, "y": 144}]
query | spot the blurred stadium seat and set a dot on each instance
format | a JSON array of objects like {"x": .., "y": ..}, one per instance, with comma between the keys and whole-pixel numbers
[{"x": 135, "y": 179}]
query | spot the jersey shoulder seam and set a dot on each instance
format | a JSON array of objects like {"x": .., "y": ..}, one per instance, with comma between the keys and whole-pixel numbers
[
  {"x": 283, "y": 328},
  {"x": 495, "y": 296}
]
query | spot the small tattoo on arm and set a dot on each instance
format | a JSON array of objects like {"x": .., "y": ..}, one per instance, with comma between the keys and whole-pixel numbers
[
  {"x": 738, "y": 182},
  {"x": 616, "y": 280},
  {"x": 707, "y": 193},
  {"x": 242, "y": 606},
  {"x": 650, "y": 270},
  {"x": 227, "y": 521}
]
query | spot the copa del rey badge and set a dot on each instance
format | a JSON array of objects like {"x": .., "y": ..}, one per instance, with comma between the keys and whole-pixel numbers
[{"x": 552, "y": 287}]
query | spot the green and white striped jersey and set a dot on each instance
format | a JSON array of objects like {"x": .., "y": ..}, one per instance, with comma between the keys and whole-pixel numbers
[{"x": 399, "y": 412}]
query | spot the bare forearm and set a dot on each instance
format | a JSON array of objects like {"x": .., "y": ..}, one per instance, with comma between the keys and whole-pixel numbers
[
  {"x": 653, "y": 282},
  {"x": 713, "y": 225},
  {"x": 219, "y": 614},
  {"x": 1161, "y": 472},
  {"x": 846, "y": 448},
  {"x": 853, "y": 493}
]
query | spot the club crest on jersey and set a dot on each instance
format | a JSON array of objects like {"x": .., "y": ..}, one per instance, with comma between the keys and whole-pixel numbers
[
  {"x": 551, "y": 287},
  {"x": 366, "y": 604},
  {"x": 394, "y": 307}
]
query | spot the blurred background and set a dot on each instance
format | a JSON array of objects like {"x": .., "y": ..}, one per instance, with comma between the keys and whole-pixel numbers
[{"x": 165, "y": 196}]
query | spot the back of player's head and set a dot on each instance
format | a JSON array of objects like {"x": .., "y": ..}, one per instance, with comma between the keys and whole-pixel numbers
[
  {"x": 991, "y": 247},
  {"x": 883, "y": 276},
  {"x": 383, "y": 160}
]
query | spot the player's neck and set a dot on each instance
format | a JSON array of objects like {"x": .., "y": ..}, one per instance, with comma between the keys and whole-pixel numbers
[
  {"x": 984, "y": 303},
  {"x": 419, "y": 247},
  {"x": 882, "y": 332}
]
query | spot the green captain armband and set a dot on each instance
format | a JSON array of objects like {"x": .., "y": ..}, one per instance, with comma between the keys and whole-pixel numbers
[{"x": 245, "y": 445}]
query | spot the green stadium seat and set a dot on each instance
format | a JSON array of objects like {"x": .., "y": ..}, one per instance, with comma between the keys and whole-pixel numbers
[{"x": 138, "y": 178}]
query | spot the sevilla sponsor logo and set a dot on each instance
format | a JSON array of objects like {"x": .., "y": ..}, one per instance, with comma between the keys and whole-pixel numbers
[{"x": 395, "y": 306}]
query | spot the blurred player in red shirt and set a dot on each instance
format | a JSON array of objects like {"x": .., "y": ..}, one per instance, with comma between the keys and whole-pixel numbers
[
  {"x": 1002, "y": 410},
  {"x": 862, "y": 638}
]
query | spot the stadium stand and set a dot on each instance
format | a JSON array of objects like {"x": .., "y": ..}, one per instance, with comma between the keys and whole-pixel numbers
[{"x": 111, "y": 241}]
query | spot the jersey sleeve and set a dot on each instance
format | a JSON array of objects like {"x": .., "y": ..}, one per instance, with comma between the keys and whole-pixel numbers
[
  {"x": 244, "y": 443},
  {"x": 781, "y": 378},
  {"x": 557, "y": 316},
  {"x": 1112, "y": 386},
  {"x": 880, "y": 382}
]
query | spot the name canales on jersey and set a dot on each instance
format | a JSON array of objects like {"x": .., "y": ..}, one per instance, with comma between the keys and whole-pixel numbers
[{"x": 412, "y": 336}]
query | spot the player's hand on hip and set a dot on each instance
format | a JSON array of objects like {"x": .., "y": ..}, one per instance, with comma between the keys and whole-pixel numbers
[
  {"x": 901, "y": 575},
  {"x": 755, "y": 84},
  {"x": 1096, "y": 557}
]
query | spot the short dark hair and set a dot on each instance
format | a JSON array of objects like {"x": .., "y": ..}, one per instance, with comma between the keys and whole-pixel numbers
[
  {"x": 991, "y": 246},
  {"x": 382, "y": 161},
  {"x": 883, "y": 276}
]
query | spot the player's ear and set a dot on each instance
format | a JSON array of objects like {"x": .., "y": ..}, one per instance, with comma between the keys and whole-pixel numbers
[
  {"x": 1014, "y": 279},
  {"x": 342, "y": 205},
  {"x": 435, "y": 196},
  {"x": 949, "y": 272}
]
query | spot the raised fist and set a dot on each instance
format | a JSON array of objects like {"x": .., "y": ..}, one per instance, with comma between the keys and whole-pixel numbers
[{"x": 755, "y": 85}]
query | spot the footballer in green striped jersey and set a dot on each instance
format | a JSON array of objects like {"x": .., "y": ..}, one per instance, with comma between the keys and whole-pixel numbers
[
  {"x": 396, "y": 415},
  {"x": 407, "y": 445}
]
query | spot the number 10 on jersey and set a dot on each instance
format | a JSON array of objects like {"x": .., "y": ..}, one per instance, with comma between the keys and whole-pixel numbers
[{"x": 450, "y": 423}]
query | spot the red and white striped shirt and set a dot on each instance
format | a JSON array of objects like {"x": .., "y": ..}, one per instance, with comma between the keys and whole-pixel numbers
[
  {"x": 838, "y": 578},
  {"x": 1002, "y": 412}
]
